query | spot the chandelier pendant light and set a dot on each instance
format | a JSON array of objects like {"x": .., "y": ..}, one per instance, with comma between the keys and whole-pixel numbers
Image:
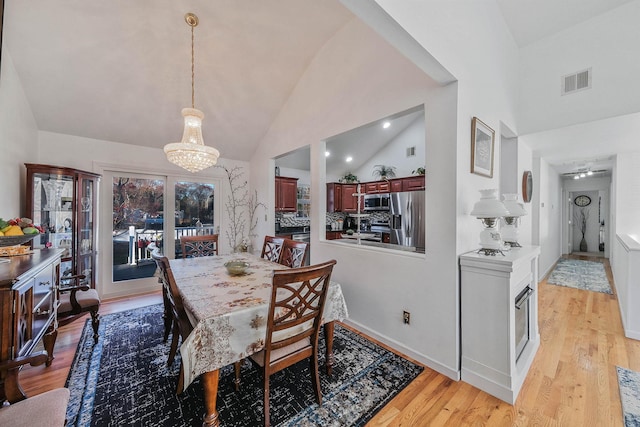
[{"x": 191, "y": 153}]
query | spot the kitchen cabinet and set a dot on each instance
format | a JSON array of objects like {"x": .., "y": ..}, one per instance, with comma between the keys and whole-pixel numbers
[
  {"x": 377, "y": 187},
  {"x": 349, "y": 201},
  {"x": 64, "y": 201},
  {"x": 413, "y": 183},
  {"x": 28, "y": 304},
  {"x": 396, "y": 185},
  {"x": 286, "y": 194},
  {"x": 333, "y": 235},
  {"x": 334, "y": 197},
  {"x": 499, "y": 315}
]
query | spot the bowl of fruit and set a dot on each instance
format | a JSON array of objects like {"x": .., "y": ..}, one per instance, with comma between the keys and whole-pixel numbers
[{"x": 17, "y": 231}]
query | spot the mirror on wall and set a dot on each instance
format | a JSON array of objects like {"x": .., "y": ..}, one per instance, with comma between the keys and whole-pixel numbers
[{"x": 375, "y": 177}]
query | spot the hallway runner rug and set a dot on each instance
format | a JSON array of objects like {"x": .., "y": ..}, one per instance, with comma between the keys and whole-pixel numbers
[
  {"x": 574, "y": 273},
  {"x": 629, "y": 383},
  {"x": 124, "y": 381}
]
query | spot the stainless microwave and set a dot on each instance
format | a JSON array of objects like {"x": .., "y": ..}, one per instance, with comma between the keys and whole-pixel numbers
[{"x": 376, "y": 202}]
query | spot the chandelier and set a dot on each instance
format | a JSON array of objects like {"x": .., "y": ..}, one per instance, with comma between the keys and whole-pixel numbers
[{"x": 191, "y": 153}]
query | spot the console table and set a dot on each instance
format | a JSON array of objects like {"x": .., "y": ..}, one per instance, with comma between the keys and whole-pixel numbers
[
  {"x": 499, "y": 319},
  {"x": 28, "y": 303}
]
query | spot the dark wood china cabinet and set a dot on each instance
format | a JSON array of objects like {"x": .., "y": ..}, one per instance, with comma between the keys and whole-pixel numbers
[{"x": 64, "y": 202}]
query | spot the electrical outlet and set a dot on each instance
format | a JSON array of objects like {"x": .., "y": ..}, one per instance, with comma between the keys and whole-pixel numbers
[{"x": 406, "y": 317}]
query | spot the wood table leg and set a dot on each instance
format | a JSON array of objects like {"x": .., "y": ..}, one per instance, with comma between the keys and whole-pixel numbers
[
  {"x": 328, "y": 336},
  {"x": 210, "y": 384},
  {"x": 49, "y": 341}
]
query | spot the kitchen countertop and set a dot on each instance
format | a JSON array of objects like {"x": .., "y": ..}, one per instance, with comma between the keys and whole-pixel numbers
[{"x": 379, "y": 245}]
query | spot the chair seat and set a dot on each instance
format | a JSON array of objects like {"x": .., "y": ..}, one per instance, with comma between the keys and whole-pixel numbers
[
  {"x": 85, "y": 299},
  {"x": 281, "y": 352},
  {"x": 46, "y": 409}
]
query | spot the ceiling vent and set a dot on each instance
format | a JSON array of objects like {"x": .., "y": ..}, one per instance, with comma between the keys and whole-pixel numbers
[
  {"x": 576, "y": 82},
  {"x": 411, "y": 151}
]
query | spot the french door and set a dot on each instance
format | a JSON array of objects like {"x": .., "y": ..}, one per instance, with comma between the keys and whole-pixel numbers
[{"x": 141, "y": 209}]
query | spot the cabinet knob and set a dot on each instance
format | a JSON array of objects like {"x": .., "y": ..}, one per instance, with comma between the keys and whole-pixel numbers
[{"x": 42, "y": 312}]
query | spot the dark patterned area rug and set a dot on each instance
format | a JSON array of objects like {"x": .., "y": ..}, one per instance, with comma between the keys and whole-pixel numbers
[
  {"x": 629, "y": 384},
  {"x": 579, "y": 274},
  {"x": 124, "y": 381}
]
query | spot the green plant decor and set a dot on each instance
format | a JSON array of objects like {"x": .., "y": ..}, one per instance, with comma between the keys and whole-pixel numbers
[
  {"x": 418, "y": 171},
  {"x": 384, "y": 172},
  {"x": 349, "y": 178}
]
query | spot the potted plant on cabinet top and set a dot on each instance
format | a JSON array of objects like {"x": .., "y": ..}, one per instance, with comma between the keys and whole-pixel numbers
[
  {"x": 419, "y": 171},
  {"x": 383, "y": 172},
  {"x": 349, "y": 178}
]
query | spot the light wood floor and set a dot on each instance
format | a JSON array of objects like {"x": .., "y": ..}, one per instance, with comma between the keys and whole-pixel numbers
[{"x": 572, "y": 381}]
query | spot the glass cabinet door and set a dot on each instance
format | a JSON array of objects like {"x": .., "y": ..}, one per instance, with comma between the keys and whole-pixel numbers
[
  {"x": 53, "y": 209},
  {"x": 85, "y": 239}
]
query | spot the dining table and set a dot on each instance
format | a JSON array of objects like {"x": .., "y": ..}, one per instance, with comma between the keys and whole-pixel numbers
[{"x": 229, "y": 317}]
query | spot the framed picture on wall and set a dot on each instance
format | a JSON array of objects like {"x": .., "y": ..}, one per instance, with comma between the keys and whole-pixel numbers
[{"x": 482, "y": 139}]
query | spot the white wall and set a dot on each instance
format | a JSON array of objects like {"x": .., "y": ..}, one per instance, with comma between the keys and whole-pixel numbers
[
  {"x": 608, "y": 44},
  {"x": 304, "y": 177},
  {"x": 628, "y": 194},
  {"x": 546, "y": 210},
  {"x": 395, "y": 153},
  {"x": 471, "y": 40},
  {"x": 18, "y": 139},
  {"x": 373, "y": 82}
]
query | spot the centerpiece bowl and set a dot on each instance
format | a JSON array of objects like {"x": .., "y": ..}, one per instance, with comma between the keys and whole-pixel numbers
[{"x": 237, "y": 268}]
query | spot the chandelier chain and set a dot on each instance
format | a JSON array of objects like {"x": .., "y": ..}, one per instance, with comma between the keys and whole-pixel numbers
[{"x": 193, "y": 74}]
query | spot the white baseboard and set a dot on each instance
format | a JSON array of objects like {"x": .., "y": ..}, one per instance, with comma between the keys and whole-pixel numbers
[{"x": 436, "y": 366}]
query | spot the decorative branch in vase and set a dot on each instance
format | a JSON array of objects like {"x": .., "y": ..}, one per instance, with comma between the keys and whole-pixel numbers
[
  {"x": 239, "y": 202},
  {"x": 580, "y": 219}
]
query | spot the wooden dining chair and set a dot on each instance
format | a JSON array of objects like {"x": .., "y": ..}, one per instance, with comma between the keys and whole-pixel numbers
[
  {"x": 76, "y": 298},
  {"x": 293, "y": 253},
  {"x": 197, "y": 246},
  {"x": 272, "y": 248},
  {"x": 181, "y": 324},
  {"x": 293, "y": 324}
]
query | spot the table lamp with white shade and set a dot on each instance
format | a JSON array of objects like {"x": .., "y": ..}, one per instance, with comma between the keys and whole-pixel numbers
[
  {"x": 511, "y": 222},
  {"x": 489, "y": 210}
]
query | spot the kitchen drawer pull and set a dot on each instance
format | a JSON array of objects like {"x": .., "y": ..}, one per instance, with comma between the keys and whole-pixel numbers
[{"x": 48, "y": 282}]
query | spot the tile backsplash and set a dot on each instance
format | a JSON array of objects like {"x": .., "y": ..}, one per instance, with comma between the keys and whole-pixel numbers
[{"x": 294, "y": 221}]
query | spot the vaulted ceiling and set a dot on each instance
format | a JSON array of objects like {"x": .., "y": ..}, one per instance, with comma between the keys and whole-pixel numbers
[{"x": 120, "y": 70}]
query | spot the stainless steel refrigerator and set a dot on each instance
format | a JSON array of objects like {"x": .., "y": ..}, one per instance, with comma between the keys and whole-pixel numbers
[{"x": 408, "y": 219}]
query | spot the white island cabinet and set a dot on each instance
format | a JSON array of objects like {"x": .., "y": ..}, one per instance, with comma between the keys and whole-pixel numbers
[{"x": 499, "y": 319}]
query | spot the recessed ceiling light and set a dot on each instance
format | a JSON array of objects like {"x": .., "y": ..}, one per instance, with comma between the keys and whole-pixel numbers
[
  {"x": 589, "y": 173},
  {"x": 326, "y": 154},
  {"x": 386, "y": 125},
  {"x": 576, "y": 177},
  {"x": 582, "y": 175},
  {"x": 348, "y": 159}
]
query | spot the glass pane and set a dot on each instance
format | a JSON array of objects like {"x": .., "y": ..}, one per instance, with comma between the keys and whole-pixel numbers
[
  {"x": 52, "y": 208},
  {"x": 194, "y": 210},
  {"x": 85, "y": 242},
  {"x": 137, "y": 221}
]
